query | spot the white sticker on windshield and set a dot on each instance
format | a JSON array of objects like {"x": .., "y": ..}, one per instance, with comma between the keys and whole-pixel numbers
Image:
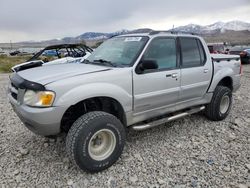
[{"x": 132, "y": 39}]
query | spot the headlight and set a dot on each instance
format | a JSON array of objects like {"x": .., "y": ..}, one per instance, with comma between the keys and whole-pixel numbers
[{"x": 39, "y": 98}]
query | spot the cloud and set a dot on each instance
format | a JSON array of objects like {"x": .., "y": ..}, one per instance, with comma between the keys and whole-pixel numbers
[{"x": 45, "y": 19}]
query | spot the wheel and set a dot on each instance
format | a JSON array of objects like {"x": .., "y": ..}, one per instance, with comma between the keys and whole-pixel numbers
[
  {"x": 95, "y": 141},
  {"x": 220, "y": 105}
]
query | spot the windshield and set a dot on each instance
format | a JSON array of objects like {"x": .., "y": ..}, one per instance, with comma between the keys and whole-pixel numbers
[{"x": 119, "y": 51}]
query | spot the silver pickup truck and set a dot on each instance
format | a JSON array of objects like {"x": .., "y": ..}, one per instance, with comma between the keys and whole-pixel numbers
[{"x": 138, "y": 81}]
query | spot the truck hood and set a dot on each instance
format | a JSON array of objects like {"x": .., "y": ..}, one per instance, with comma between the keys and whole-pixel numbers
[{"x": 49, "y": 74}]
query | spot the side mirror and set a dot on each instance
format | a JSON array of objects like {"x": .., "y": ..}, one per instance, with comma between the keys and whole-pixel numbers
[{"x": 147, "y": 64}]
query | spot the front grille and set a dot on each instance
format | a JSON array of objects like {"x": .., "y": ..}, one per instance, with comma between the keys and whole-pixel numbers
[
  {"x": 13, "y": 91},
  {"x": 14, "y": 95},
  {"x": 12, "y": 85}
]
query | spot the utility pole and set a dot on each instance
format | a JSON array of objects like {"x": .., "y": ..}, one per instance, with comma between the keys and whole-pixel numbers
[{"x": 10, "y": 45}]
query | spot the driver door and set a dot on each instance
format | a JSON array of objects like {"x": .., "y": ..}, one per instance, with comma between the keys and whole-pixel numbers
[{"x": 158, "y": 89}]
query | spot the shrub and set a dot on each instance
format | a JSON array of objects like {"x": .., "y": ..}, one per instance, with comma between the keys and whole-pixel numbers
[{"x": 6, "y": 62}]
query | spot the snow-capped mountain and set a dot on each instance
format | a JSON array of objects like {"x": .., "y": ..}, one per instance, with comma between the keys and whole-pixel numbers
[
  {"x": 218, "y": 26},
  {"x": 191, "y": 28},
  {"x": 92, "y": 36},
  {"x": 227, "y": 29},
  {"x": 100, "y": 36},
  {"x": 233, "y": 25}
]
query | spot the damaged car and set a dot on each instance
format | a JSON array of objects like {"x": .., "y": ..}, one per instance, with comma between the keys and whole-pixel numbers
[{"x": 56, "y": 54}]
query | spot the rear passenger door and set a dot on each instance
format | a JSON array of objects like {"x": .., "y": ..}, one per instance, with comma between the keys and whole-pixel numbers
[{"x": 196, "y": 70}]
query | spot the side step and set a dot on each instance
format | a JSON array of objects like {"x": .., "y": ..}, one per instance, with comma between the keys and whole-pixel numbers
[{"x": 167, "y": 119}]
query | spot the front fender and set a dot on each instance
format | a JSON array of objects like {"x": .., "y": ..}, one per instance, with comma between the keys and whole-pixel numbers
[{"x": 83, "y": 92}]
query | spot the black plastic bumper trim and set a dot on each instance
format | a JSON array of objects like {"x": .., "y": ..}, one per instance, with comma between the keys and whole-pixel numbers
[{"x": 21, "y": 83}]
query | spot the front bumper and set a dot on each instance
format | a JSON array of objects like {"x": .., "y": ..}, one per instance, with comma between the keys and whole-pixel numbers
[{"x": 42, "y": 121}]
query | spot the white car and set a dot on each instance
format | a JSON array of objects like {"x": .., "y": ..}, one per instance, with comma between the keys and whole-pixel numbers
[
  {"x": 2, "y": 52},
  {"x": 57, "y": 54}
]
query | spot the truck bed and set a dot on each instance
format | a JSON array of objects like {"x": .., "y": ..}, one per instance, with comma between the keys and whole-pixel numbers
[
  {"x": 224, "y": 57},
  {"x": 229, "y": 65}
]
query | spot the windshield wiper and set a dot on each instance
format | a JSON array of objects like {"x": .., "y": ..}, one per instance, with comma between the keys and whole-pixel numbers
[
  {"x": 103, "y": 61},
  {"x": 86, "y": 61}
]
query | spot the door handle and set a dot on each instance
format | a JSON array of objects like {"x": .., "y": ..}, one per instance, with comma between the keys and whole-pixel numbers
[
  {"x": 174, "y": 75},
  {"x": 205, "y": 70}
]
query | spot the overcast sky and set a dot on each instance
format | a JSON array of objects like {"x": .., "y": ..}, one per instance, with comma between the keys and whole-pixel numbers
[{"x": 22, "y": 20}]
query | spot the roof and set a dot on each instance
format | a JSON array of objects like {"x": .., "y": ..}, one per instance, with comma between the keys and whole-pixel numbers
[
  {"x": 64, "y": 46},
  {"x": 162, "y": 33}
]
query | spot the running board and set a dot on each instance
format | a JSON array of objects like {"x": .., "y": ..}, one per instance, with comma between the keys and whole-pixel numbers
[{"x": 167, "y": 119}]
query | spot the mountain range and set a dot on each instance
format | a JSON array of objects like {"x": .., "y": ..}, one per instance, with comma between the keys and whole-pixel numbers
[
  {"x": 231, "y": 32},
  {"x": 192, "y": 28},
  {"x": 213, "y": 28}
]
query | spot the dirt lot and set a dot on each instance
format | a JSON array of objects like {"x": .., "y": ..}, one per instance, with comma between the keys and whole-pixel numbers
[{"x": 190, "y": 152}]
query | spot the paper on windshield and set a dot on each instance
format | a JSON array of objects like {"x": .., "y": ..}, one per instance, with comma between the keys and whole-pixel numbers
[{"x": 132, "y": 39}]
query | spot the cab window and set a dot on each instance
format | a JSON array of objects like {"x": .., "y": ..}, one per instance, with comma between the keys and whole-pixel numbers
[
  {"x": 163, "y": 51},
  {"x": 193, "y": 54}
]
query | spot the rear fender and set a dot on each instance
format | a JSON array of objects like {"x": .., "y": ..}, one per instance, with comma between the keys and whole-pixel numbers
[{"x": 219, "y": 75}]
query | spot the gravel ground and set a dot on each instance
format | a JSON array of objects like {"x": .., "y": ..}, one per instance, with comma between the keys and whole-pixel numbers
[{"x": 190, "y": 152}]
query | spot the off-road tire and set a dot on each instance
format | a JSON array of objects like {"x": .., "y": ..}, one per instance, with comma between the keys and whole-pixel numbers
[
  {"x": 80, "y": 134},
  {"x": 212, "y": 110}
]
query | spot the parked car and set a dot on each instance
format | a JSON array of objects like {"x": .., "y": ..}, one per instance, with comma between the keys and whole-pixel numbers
[
  {"x": 56, "y": 54},
  {"x": 236, "y": 50},
  {"x": 14, "y": 53},
  {"x": 3, "y": 53},
  {"x": 216, "y": 48},
  {"x": 245, "y": 56},
  {"x": 138, "y": 81},
  {"x": 49, "y": 53}
]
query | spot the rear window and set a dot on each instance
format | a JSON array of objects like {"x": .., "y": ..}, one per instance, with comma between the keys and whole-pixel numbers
[
  {"x": 192, "y": 51},
  {"x": 202, "y": 52}
]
